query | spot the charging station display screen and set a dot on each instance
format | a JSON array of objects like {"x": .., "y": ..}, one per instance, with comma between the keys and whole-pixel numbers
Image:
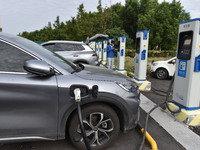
[
  {"x": 185, "y": 45},
  {"x": 137, "y": 45},
  {"x": 118, "y": 46}
]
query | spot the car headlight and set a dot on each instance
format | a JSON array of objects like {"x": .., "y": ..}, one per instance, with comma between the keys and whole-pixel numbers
[
  {"x": 128, "y": 86},
  {"x": 154, "y": 64}
]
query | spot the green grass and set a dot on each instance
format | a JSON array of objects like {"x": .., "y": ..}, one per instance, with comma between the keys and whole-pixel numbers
[{"x": 130, "y": 64}]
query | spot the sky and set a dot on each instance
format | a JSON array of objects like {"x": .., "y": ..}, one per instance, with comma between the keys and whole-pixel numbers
[{"x": 17, "y": 16}]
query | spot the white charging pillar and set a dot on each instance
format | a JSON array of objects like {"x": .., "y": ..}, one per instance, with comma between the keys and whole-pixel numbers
[
  {"x": 121, "y": 54},
  {"x": 100, "y": 50},
  {"x": 142, "y": 40},
  {"x": 97, "y": 48},
  {"x": 104, "y": 52},
  {"x": 110, "y": 40},
  {"x": 187, "y": 76}
]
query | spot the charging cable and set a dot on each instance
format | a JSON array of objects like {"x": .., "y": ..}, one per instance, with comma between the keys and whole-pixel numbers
[
  {"x": 167, "y": 105},
  {"x": 77, "y": 93}
]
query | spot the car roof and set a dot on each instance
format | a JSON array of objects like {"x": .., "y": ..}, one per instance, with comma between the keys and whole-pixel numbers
[{"x": 62, "y": 41}]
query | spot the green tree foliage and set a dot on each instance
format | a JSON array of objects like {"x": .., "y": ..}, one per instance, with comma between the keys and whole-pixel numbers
[
  {"x": 130, "y": 17},
  {"x": 116, "y": 32},
  {"x": 162, "y": 19}
]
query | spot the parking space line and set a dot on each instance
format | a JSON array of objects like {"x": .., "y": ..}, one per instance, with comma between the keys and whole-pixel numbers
[{"x": 176, "y": 129}]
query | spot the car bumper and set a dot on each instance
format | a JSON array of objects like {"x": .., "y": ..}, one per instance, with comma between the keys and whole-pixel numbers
[
  {"x": 153, "y": 69},
  {"x": 133, "y": 111}
]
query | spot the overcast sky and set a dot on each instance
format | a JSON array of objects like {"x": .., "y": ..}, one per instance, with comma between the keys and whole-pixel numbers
[{"x": 30, "y": 15}]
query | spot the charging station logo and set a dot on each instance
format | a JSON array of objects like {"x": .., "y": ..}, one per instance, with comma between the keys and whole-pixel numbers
[
  {"x": 182, "y": 68},
  {"x": 137, "y": 58}
]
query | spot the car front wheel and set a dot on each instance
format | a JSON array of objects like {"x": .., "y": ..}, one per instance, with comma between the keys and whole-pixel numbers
[
  {"x": 101, "y": 125},
  {"x": 161, "y": 74}
]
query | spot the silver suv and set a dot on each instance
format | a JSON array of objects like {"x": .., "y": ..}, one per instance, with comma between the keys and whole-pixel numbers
[
  {"x": 37, "y": 100},
  {"x": 76, "y": 52}
]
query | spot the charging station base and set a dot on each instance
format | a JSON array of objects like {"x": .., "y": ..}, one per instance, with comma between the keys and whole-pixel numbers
[
  {"x": 143, "y": 85},
  {"x": 123, "y": 72},
  {"x": 189, "y": 117},
  {"x": 103, "y": 62}
]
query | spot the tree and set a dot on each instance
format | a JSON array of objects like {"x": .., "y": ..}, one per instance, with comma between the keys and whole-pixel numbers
[
  {"x": 163, "y": 21},
  {"x": 116, "y": 32},
  {"x": 130, "y": 17},
  {"x": 117, "y": 17}
]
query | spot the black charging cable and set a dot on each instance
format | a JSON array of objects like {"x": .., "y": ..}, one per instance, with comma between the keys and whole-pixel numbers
[
  {"x": 159, "y": 92},
  {"x": 77, "y": 93},
  {"x": 167, "y": 105}
]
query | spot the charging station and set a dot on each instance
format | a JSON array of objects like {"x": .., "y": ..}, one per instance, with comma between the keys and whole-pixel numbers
[
  {"x": 121, "y": 54},
  {"x": 104, "y": 52},
  {"x": 97, "y": 48},
  {"x": 187, "y": 75},
  {"x": 110, "y": 40},
  {"x": 142, "y": 40},
  {"x": 100, "y": 50}
]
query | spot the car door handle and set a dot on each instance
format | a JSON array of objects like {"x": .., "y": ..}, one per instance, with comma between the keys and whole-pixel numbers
[{"x": 75, "y": 55}]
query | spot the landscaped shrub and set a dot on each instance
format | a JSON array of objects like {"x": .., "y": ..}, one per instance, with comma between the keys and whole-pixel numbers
[{"x": 153, "y": 53}]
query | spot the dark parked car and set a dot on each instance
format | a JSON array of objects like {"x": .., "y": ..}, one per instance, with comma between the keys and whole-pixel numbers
[
  {"x": 36, "y": 100},
  {"x": 77, "y": 52}
]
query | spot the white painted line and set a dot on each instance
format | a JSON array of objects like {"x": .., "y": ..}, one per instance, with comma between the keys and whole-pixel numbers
[{"x": 178, "y": 130}]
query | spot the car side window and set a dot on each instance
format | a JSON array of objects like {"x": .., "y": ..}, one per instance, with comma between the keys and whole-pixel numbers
[
  {"x": 79, "y": 47},
  {"x": 64, "y": 47},
  {"x": 12, "y": 59},
  {"x": 50, "y": 46}
]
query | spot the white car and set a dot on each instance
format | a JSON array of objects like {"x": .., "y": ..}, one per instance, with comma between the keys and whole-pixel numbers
[{"x": 163, "y": 69}]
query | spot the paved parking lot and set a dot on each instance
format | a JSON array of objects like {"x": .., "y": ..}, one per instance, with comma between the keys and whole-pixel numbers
[
  {"x": 156, "y": 98},
  {"x": 128, "y": 141}
]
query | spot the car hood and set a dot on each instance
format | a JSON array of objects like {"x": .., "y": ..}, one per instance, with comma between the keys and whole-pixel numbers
[
  {"x": 101, "y": 74},
  {"x": 158, "y": 62}
]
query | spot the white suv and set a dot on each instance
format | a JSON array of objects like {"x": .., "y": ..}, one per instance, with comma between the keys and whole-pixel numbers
[
  {"x": 163, "y": 69},
  {"x": 76, "y": 52}
]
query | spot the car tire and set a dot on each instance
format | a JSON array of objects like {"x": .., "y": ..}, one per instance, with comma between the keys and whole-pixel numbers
[
  {"x": 161, "y": 74},
  {"x": 98, "y": 119}
]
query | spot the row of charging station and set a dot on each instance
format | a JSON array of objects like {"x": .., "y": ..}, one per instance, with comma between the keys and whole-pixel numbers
[
  {"x": 102, "y": 52},
  {"x": 187, "y": 76}
]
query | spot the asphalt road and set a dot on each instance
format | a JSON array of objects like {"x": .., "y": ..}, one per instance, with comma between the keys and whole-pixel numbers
[
  {"x": 125, "y": 141},
  {"x": 156, "y": 98}
]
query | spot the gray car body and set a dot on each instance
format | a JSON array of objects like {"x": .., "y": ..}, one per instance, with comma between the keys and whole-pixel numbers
[
  {"x": 85, "y": 55},
  {"x": 39, "y": 108}
]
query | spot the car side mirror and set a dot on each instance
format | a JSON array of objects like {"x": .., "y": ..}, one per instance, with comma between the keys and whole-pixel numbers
[{"x": 38, "y": 67}]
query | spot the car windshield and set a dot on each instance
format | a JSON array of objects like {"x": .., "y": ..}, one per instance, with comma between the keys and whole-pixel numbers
[{"x": 57, "y": 59}]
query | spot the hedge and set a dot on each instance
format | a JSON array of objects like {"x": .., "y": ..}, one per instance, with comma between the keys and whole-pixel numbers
[{"x": 153, "y": 53}]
